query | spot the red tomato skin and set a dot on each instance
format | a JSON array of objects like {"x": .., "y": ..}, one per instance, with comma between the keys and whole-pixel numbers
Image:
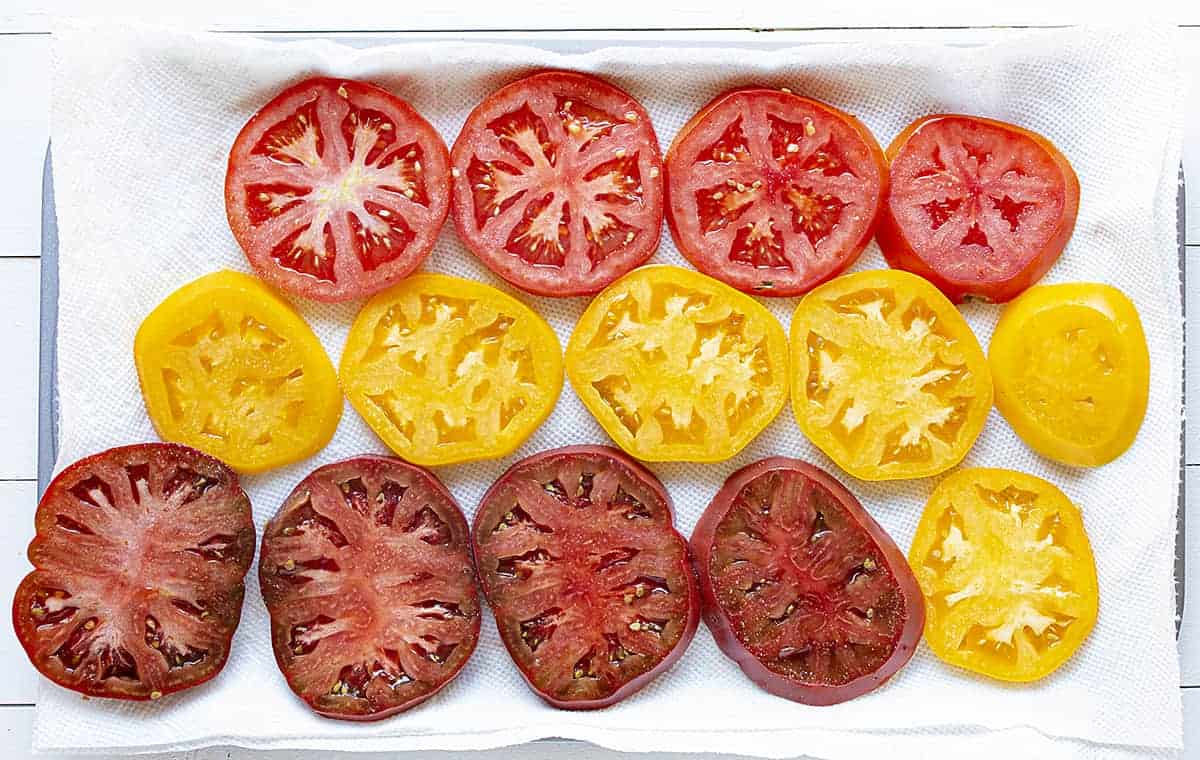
[
  {"x": 693, "y": 619},
  {"x": 901, "y": 255},
  {"x": 367, "y": 461},
  {"x": 27, "y": 643},
  {"x": 722, "y": 628},
  {"x": 462, "y": 211},
  {"x": 860, "y": 245},
  {"x": 327, "y": 292}
]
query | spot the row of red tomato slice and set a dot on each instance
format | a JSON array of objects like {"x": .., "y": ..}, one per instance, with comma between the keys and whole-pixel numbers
[
  {"x": 336, "y": 189},
  {"x": 370, "y": 574}
]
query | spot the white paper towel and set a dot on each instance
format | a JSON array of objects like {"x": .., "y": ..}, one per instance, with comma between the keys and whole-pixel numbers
[{"x": 142, "y": 122}]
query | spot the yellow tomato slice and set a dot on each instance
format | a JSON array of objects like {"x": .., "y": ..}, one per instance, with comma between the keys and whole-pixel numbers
[
  {"x": 677, "y": 366},
  {"x": 1007, "y": 572},
  {"x": 1072, "y": 371},
  {"x": 229, "y": 367},
  {"x": 887, "y": 377},
  {"x": 448, "y": 370}
]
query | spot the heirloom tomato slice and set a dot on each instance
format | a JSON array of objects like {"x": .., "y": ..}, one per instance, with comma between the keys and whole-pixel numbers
[
  {"x": 228, "y": 366},
  {"x": 802, "y": 589},
  {"x": 448, "y": 370},
  {"x": 1007, "y": 572},
  {"x": 676, "y": 366},
  {"x": 771, "y": 192},
  {"x": 139, "y": 561},
  {"x": 887, "y": 377},
  {"x": 336, "y": 189},
  {"x": 591, "y": 585},
  {"x": 366, "y": 571},
  {"x": 978, "y": 207},
  {"x": 1072, "y": 371},
  {"x": 557, "y": 183}
]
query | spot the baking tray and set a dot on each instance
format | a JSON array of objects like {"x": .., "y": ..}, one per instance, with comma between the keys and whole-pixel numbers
[{"x": 48, "y": 326}]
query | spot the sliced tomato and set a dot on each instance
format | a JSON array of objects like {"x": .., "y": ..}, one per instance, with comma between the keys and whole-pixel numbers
[
  {"x": 336, "y": 189},
  {"x": 978, "y": 207},
  {"x": 138, "y": 564},
  {"x": 771, "y": 192},
  {"x": 801, "y": 587},
  {"x": 557, "y": 183},
  {"x": 591, "y": 585},
  {"x": 366, "y": 572}
]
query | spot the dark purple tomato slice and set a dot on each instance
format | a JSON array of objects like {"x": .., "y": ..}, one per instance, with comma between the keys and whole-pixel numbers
[
  {"x": 366, "y": 571},
  {"x": 801, "y": 587},
  {"x": 591, "y": 585}
]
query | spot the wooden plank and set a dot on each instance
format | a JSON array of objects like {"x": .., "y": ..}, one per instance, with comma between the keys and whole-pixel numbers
[
  {"x": 24, "y": 130},
  {"x": 19, "y": 295},
  {"x": 18, "y": 500}
]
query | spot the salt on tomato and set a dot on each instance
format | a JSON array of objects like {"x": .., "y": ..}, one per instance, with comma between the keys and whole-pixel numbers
[
  {"x": 366, "y": 571},
  {"x": 887, "y": 377},
  {"x": 138, "y": 564},
  {"x": 1007, "y": 572},
  {"x": 978, "y": 207},
  {"x": 802, "y": 589},
  {"x": 1072, "y": 371},
  {"x": 591, "y": 585},
  {"x": 557, "y": 183},
  {"x": 336, "y": 189},
  {"x": 773, "y": 193}
]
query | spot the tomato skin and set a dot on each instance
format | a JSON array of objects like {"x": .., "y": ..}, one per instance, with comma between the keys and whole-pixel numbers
[
  {"x": 851, "y": 252},
  {"x": 722, "y": 626},
  {"x": 651, "y": 482},
  {"x": 900, "y": 253}
]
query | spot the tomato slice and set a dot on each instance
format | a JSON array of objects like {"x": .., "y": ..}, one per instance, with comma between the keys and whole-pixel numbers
[
  {"x": 802, "y": 589},
  {"x": 558, "y": 185},
  {"x": 771, "y": 192},
  {"x": 978, "y": 207},
  {"x": 366, "y": 572},
  {"x": 1008, "y": 573},
  {"x": 336, "y": 189},
  {"x": 591, "y": 584},
  {"x": 138, "y": 564}
]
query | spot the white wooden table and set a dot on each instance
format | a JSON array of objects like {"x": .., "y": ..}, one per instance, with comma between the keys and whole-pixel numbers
[{"x": 24, "y": 104}]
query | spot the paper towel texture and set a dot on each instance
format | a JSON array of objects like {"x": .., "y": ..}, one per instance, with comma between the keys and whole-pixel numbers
[{"x": 142, "y": 123}]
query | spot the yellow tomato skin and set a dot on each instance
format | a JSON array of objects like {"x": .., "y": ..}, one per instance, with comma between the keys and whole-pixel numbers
[
  {"x": 1007, "y": 572},
  {"x": 887, "y": 377},
  {"x": 227, "y": 366},
  {"x": 1072, "y": 371},
  {"x": 677, "y": 366},
  {"x": 447, "y": 370}
]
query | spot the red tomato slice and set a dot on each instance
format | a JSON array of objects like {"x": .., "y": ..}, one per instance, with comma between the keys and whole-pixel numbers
[
  {"x": 773, "y": 193},
  {"x": 138, "y": 564},
  {"x": 978, "y": 207},
  {"x": 366, "y": 572},
  {"x": 558, "y": 185},
  {"x": 336, "y": 189},
  {"x": 591, "y": 585},
  {"x": 801, "y": 587}
]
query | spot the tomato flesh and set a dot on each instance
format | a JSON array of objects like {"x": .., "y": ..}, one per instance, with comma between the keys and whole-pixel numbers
[
  {"x": 558, "y": 183},
  {"x": 366, "y": 572},
  {"x": 591, "y": 585},
  {"x": 801, "y": 587},
  {"x": 980, "y": 208},
  {"x": 771, "y": 192},
  {"x": 336, "y": 189},
  {"x": 138, "y": 564}
]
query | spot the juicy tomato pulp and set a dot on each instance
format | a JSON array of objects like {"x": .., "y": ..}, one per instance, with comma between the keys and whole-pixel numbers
[
  {"x": 367, "y": 575},
  {"x": 801, "y": 587},
  {"x": 978, "y": 207},
  {"x": 336, "y": 189},
  {"x": 1007, "y": 569},
  {"x": 773, "y": 193},
  {"x": 558, "y": 185},
  {"x": 591, "y": 585},
  {"x": 138, "y": 564}
]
